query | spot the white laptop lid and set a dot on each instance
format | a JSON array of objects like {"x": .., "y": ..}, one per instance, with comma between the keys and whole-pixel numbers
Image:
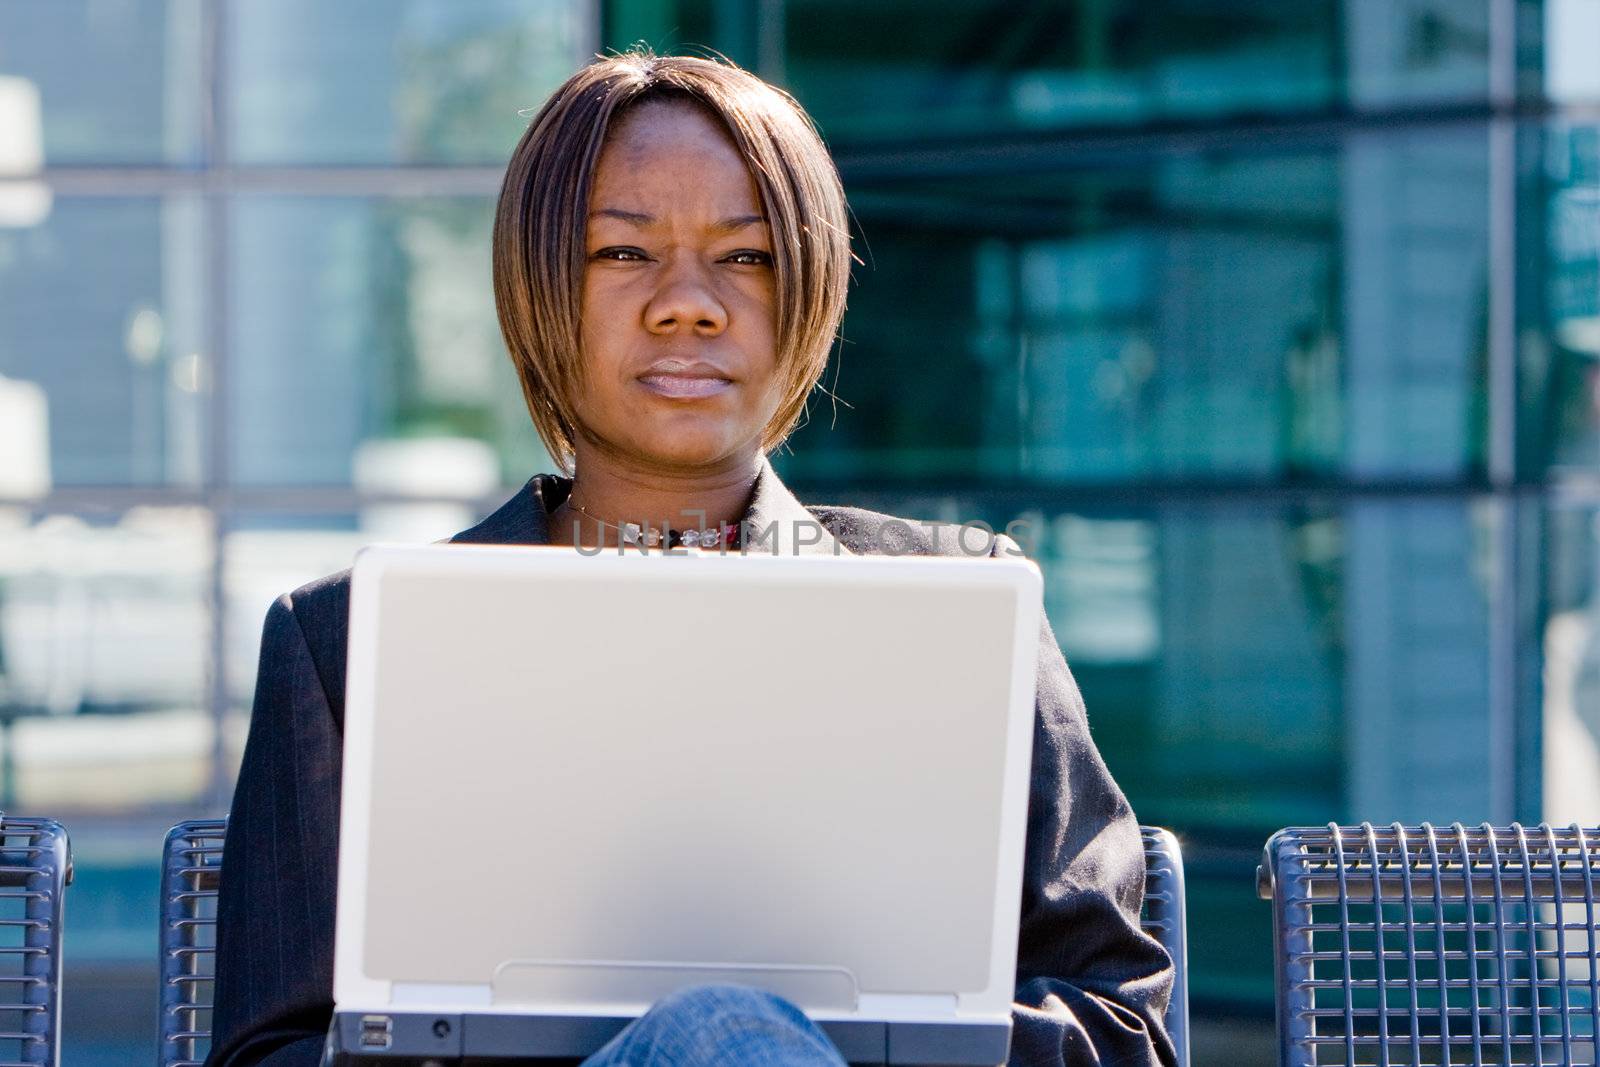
[{"x": 572, "y": 784}]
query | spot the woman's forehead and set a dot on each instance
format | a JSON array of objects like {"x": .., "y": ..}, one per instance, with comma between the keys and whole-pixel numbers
[
  {"x": 673, "y": 160},
  {"x": 674, "y": 114}
]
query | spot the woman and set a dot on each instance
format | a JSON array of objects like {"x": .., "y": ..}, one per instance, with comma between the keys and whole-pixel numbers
[{"x": 671, "y": 253}]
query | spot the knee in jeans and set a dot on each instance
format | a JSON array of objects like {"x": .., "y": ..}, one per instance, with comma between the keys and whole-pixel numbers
[{"x": 712, "y": 1001}]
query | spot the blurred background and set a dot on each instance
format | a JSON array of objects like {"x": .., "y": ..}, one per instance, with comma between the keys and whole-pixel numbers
[{"x": 1280, "y": 321}]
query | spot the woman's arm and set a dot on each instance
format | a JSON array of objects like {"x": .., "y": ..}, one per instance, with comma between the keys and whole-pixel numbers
[
  {"x": 274, "y": 990},
  {"x": 1091, "y": 986}
]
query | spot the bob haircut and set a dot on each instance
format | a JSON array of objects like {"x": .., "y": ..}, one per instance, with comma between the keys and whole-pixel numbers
[{"x": 540, "y": 226}]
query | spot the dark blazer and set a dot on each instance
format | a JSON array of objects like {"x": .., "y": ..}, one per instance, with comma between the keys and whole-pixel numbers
[{"x": 1091, "y": 987}]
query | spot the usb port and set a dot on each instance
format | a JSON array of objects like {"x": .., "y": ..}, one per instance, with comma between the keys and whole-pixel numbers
[{"x": 377, "y": 1031}]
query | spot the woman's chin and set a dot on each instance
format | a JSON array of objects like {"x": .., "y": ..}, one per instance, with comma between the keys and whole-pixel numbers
[
  {"x": 688, "y": 441},
  {"x": 687, "y": 449}
]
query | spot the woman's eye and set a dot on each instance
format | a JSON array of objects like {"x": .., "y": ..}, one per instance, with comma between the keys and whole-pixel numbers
[
  {"x": 751, "y": 257},
  {"x": 623, "y": 254}
]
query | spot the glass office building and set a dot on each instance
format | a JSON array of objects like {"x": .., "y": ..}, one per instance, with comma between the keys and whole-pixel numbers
[{"x": 1279, "y": 324}]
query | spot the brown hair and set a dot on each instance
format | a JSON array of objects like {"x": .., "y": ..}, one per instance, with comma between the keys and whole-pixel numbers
[{"x": 540, "y": 223}]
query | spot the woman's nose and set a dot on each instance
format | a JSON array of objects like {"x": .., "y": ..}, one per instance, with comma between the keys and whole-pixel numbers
[{"x": 685, "y": 300}]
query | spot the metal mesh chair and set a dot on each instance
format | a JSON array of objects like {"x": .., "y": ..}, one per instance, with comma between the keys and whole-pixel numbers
[
  {"x": 35, "y": 869},
  {"x": 1163, "y": 919},
  {"x": 190, "y": 864},
  {"x": 1410, "y": 945},
  {"x": 192, "y": 861}
]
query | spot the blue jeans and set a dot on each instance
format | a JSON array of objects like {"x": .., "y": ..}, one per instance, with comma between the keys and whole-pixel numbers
[{"x": 708, "y": 1025}]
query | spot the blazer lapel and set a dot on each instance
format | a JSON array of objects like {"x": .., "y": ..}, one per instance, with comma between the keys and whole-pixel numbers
[
  {"x": 780, "y": 525},
  {"x": 776, "y": 523}
]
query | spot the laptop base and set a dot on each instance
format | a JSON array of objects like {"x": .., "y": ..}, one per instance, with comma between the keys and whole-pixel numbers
[{"x": 419, "y": 1039}]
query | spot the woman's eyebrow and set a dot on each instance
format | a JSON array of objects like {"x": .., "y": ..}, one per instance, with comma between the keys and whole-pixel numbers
[
  {"x": 737, "y": 222},
  {"x": 641, "y": 219}
]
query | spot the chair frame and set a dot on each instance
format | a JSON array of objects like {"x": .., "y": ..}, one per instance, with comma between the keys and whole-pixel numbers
[
  {"x": 192, "y": 861},
  {"x": 35, "y": 869},
  {"x": 1165, "y": 918},
  {"x": 1476, "y": 928}
]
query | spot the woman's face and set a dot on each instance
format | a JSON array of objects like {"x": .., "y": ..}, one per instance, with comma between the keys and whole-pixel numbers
[{"x": 679, "y": 306}]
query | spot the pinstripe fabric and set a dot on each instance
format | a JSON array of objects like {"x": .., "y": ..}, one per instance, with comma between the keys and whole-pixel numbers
[{"x": 1091, "y": 987}]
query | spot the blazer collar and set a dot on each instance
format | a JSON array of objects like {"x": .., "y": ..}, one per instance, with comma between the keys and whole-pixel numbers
[
  {"x": 797, "y": 532},
  {"x": 776, "y": 522}
]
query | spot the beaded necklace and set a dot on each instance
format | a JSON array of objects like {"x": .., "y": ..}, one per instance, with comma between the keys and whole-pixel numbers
[{"x": 634, "y": 534}]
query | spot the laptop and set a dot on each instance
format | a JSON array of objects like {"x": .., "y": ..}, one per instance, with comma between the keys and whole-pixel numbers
[{"x": 574, "y": 783}]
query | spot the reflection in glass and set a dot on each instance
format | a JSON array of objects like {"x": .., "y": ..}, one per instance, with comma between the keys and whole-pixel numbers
[
  {"x": 1414, "y": 245},
  {"x": 1570, "y": 652},
  {"x": 367, "y": 352},
  {"x": 116, "y": 82},
  {"x": 1569, "y": 33},
  {"x": 1561, "y": 355},
  {"x": 104, "y": 661},
  {"x": 100, "y": 346},
  {"x": 1417, "y": 722},
  {"x": 1262, "y": 316},
  {"x": 1207, "y": 645},
  {"x": 395, "y": 81},
  {"x": 972, "y": 69}
]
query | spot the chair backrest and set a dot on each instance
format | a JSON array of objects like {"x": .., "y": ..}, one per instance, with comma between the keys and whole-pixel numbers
[
  {"x": 1163, "y": 918},
  {"x": 190, "y": 864},
  {"x": 1437, "y": 945},
  {"x": 35, "y": 869},
  {"x": 192, "y": 861}
]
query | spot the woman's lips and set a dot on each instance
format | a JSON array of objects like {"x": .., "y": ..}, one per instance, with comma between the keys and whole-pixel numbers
[{"x": 684, "y": 387}]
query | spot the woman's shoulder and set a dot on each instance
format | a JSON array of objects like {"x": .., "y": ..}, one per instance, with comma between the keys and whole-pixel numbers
[
  {"x": 317, "y": 614},
  {"x": 319, "y": 603}
]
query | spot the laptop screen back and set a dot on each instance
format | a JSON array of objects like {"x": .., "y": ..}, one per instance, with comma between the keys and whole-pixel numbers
[{"x": 625, "y": 772}]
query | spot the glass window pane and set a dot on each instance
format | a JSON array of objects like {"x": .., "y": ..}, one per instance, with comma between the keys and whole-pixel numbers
[
  {"x": 102, "y": 370},
  {"x": 104, "y": 661},
  {"x": 1560, "y": 351},
  {"x": 366, "y": 350},
  {"x": 1568, "y": 646},
  {"x": 1414, "y": 52},
  {"x": 100, "y": 81},
  {"x": 903, "y": 70},
  {"x": 1261, "y": 316},
  {"x": 394, "y": 81},
  {"x": 1568, "y": 33}
]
